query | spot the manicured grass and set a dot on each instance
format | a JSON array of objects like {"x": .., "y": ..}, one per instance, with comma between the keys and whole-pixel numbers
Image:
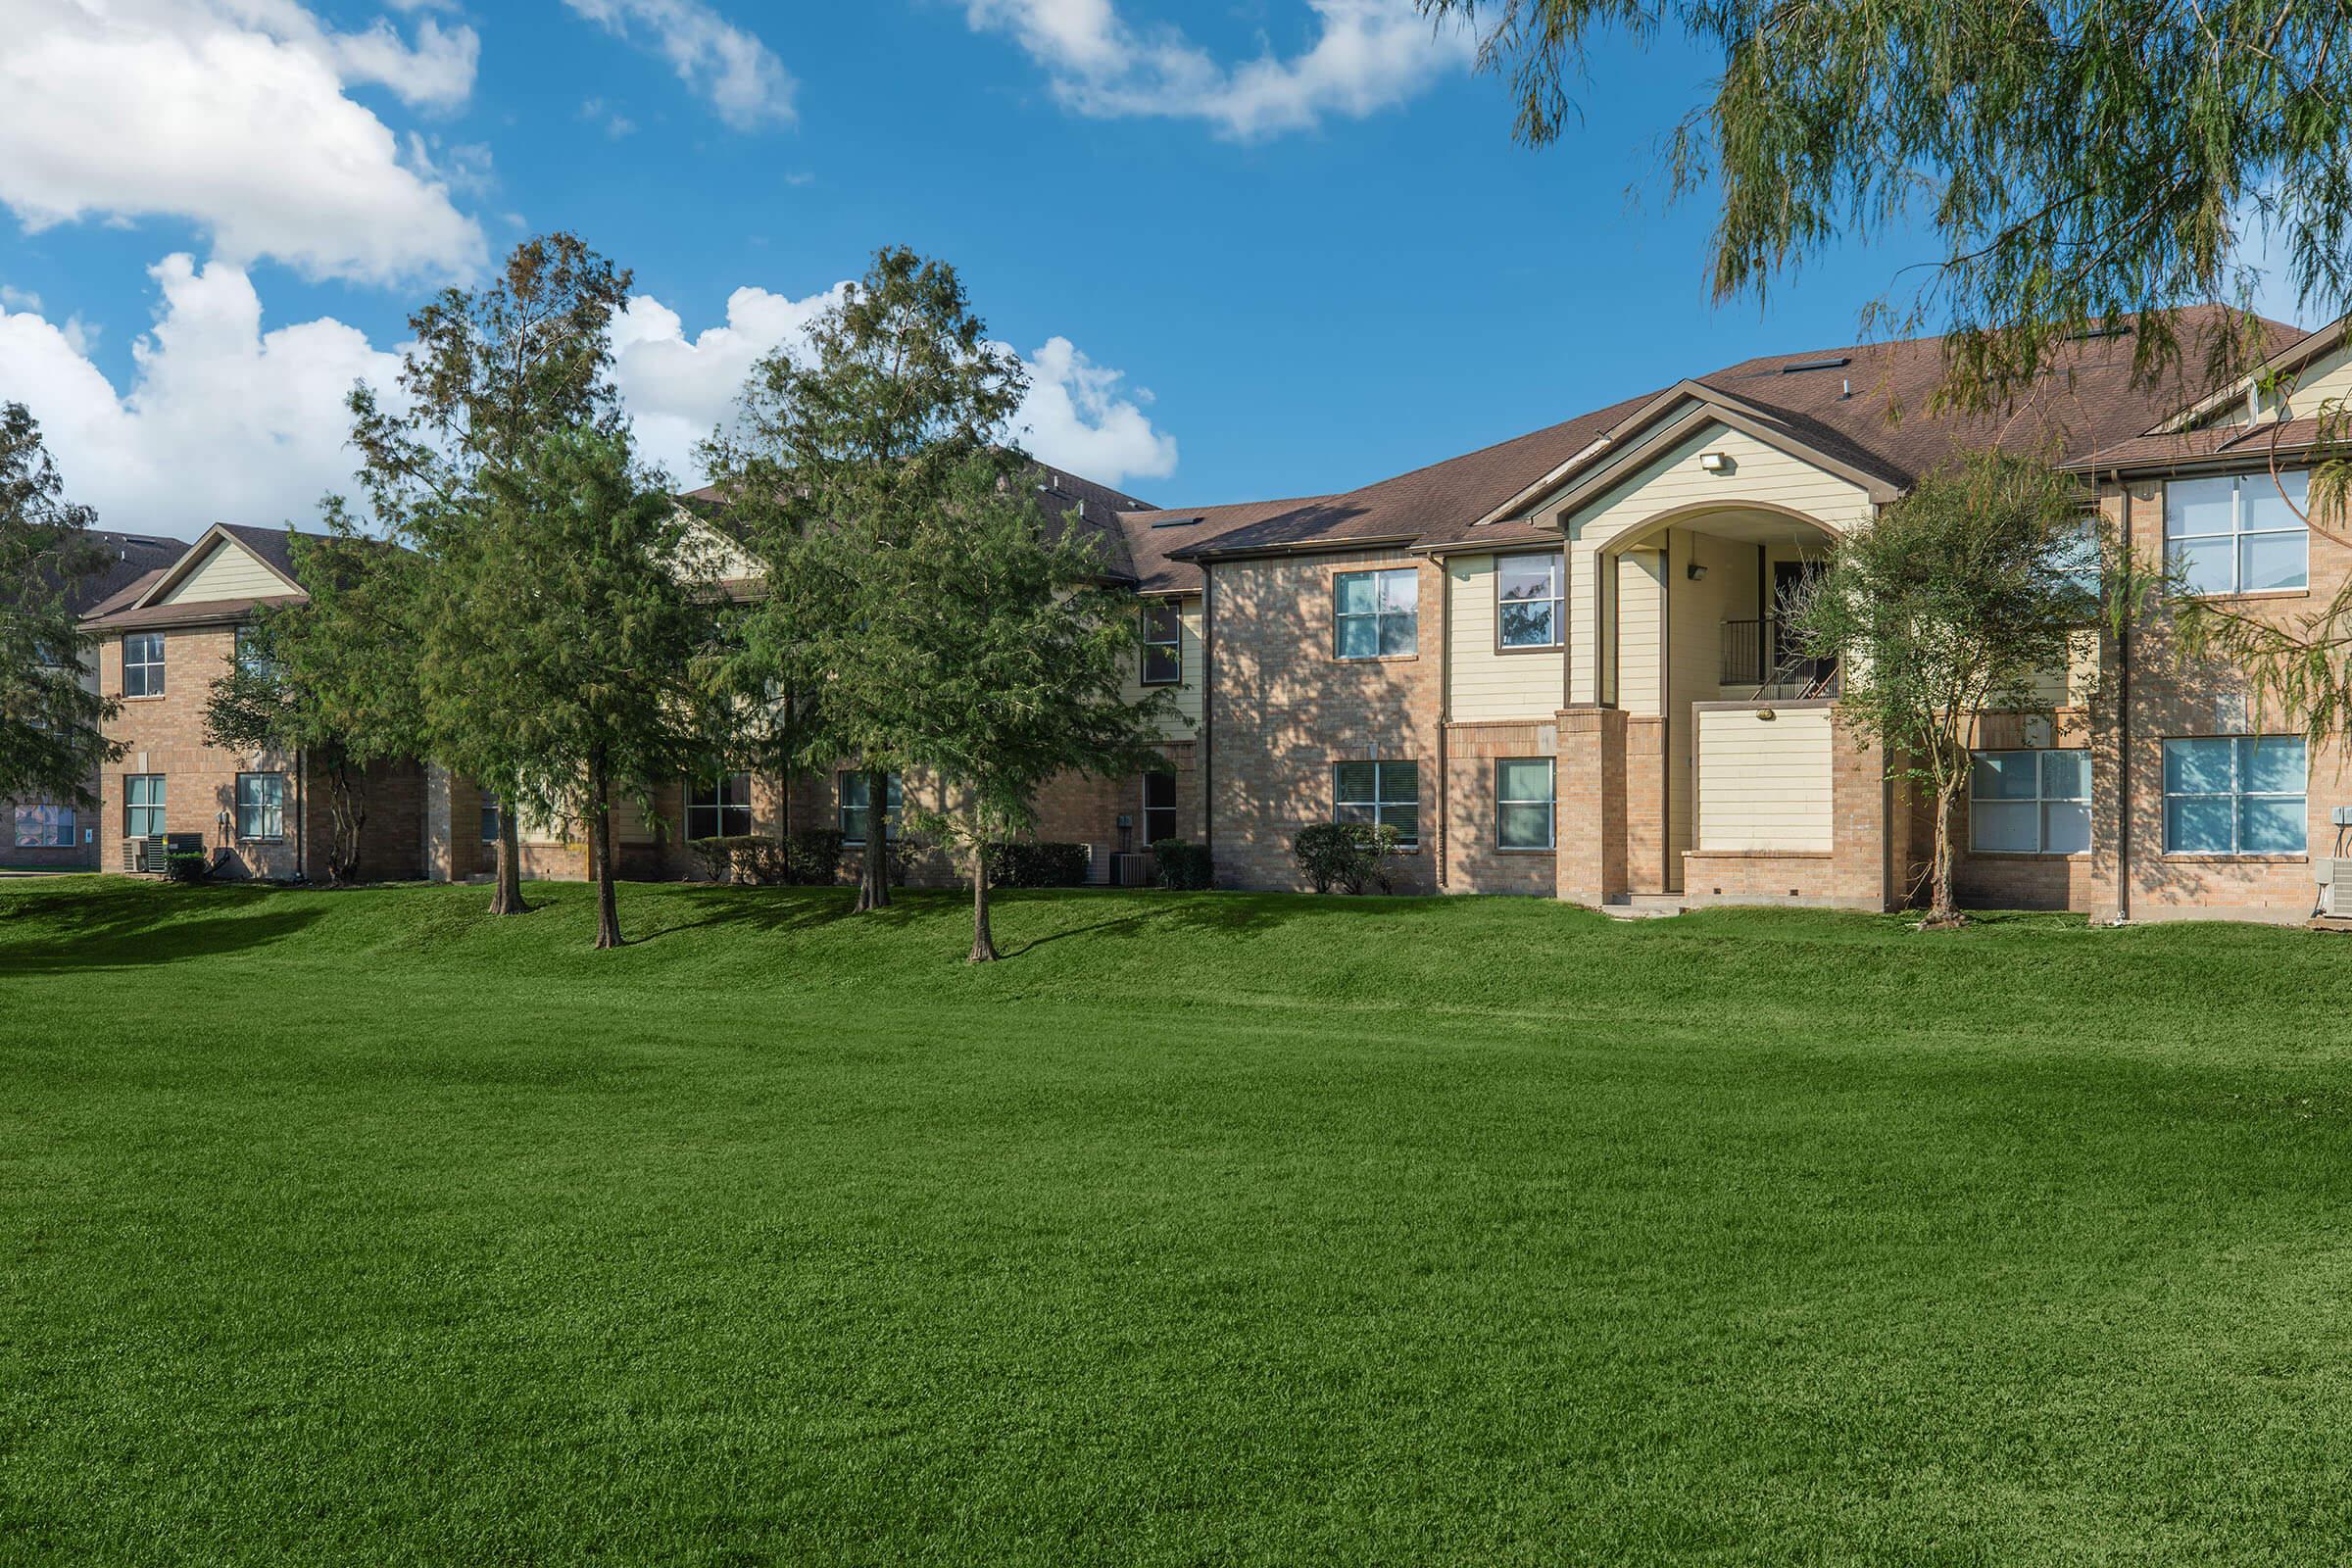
[{"x": 357, "y": 1228}]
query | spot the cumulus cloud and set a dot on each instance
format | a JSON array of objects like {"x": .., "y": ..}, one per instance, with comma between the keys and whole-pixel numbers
[
  {"x": 232, "y": 114},
  {"x": 223, "y": 419},
  {"x": 1366, "y": 56},
  {"x": 1078, "y": 416},
  {"x": 742, "y": 78}
]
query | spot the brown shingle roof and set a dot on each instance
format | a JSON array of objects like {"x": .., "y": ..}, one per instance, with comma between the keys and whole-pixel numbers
[
  {"x": 2209, "y": 443},
  {"x": 131, "y": 557}
]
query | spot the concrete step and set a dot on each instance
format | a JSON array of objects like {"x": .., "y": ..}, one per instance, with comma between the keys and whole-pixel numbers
[{"x": 1644, "y": 905}]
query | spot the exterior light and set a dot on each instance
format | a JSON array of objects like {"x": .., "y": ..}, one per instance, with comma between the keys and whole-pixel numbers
[
  {"x": 1715, "y": 462},
  {"x": 1696, "y": 573}
]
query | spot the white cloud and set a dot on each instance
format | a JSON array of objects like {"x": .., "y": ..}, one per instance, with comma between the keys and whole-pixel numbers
[
  {"x": 679, "y": 388},
  {"x": 231, "y": 114},
  {"x": 1367, "y": 55},
  {"x": 221, "y": 421},
  {"x": 745, "y": 82},
  {"x": 13, "y": 298}
]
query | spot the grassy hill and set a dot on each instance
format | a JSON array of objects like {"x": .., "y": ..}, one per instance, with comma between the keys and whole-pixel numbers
[{"x": 355, "y": 1227}]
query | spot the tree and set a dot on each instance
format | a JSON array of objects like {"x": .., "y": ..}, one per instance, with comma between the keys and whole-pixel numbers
[
  {"x": 842, "y": 456},
  {"x": 1957, "y": 601},
  {"x": 2076, "y": 165},
  {"x": 50, "y": 738},
  {"x": 331, "y": 679},
  {"x": 594, "y": 623},
  {"x": 488, "y": 375},
  {"x": 1009, "y": 658}
]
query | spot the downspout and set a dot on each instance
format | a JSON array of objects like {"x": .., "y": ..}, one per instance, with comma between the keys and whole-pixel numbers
[
  {"x": 1209, "y": 696},
  {"x": 1445, "y": 716},
  {"x": 302, "y": 812},
  {"x": 2123, "y": 735}
]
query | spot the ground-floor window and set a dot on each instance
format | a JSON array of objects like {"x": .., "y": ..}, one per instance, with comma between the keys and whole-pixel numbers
[
  {"x": 489, "y": 821},
  {"x": 1523, "y": 803},
  {"x": 44, "y": 827},
  {"x": 260, "y": 805},
  {"x": 1379, "y": 792},
  {"x": 1159, "y": 807},
  {"x": 719, "y": 807},
  {"x": 2029, "y": 803},
  {"x": 2234, "y": 795},
  {"x": 854, "y": 797},
  {"x": 142, "y": 804}
]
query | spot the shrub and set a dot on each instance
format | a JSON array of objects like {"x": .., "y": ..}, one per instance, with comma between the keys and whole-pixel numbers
[
  {"x": 1020, "y": 865},
  {"x": 1182, "y": 865},
  {"x": 745, "y": 860},
  {"x": 812, "y": 858},
  {"x": 1345, "y": 855},
  {"x": 186, "y": 865}
]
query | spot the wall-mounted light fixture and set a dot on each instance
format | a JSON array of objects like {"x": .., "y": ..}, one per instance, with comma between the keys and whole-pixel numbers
[
  {"x": 1716, "y": 462},
  {"x": 1696, "y": 573}
]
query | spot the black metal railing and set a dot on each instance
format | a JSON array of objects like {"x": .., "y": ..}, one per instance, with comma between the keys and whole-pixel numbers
[{"x": 1769, "y": 654}]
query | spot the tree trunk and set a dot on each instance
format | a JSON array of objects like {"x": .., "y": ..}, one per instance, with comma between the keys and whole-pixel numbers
[
  {"x": 873, "y": 882},
  {"x": 600, "y": 855},
  {"x": 508, "y": 900},
  {"x": 984, "y": 941},
  {"x": 347, "y": 815},
  {"x": 1943, "y": 910}
]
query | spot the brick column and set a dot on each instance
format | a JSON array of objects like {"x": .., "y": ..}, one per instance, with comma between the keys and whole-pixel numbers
[
  {"x": 1870, "y": 824},
  {"x": 1591, "y": 805}
]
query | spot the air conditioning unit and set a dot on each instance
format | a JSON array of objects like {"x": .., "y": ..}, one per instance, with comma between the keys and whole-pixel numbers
[{"x": 2335, "y": 898}]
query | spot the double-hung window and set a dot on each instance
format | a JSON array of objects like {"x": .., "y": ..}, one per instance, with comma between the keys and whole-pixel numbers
[
  {"x": 2241, "y": 534},
  {"x": 251, "y": 659},
  {"x": 1163, "y": 644},
  {"x": 1527, "y": 601},
  {"x": 1376, "y": 614},
  {"x": 1159, "y": 807},
  {"x": 44, "y": 827},
  {"x": 1523, "y": 803},
  {"x": 489, "y": 820},
  {"x": 142, "y": 804},
  {"x": 854, "y": 797},
  {"x": 143, "y": 663},
  {"x": 2029, "y": 803},
  {"x": 260, "y": 805},
  {"x": 2234, "y": 795},
  {"x": 719, "y": 807},
  {"x": 1379, "y": 792}
]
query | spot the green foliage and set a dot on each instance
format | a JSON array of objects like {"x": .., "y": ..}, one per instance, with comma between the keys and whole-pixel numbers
[
  {"x": 188, "y": 866},
  {"x": 1348, "y": 856},
  {"x": 51, "y": 735},
  {"x": 749, "y": 859},
  {"x": 1960, "y": 598},
  {"x": 1183, "y": 867},
  {"x": 1031, "y": 863},
  {"x": 2078, "y": 165},
  {"x": 813, "y": 857}
]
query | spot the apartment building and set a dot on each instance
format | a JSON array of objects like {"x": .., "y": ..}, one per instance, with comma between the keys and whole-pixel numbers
[{"x": 1555, "y": 664}]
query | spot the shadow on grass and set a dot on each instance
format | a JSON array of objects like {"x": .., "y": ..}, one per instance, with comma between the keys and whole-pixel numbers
[{"x": 138, "y": 925}]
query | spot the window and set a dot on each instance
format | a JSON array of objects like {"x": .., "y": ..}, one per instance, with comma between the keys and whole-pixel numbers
[
  {"x": 489, "y": 821},
  {"x": 260, "y": 805},
  {"x": 1523, "y": 803},
  {"x": 250, "y": 659},
  {"x": 854, "y": 814},
  {"x": 1159, "y": 807},
  {"x": 1379, "y": 792},
  {"x": 2234, "y": 795},
  {"x": 2029, "y": 803},
  {"x": 2239, "y": 535},
  {"x": 143, "y": 663},
  {"x": 1376, "y": 614},
  {"x": 142, "y": 804},
  {"x": 1527, "y": 602},
  {"x": 44, "y": 827},
  {"x": 1163, "y": 644},
  {"x": 719, "y": 807}
]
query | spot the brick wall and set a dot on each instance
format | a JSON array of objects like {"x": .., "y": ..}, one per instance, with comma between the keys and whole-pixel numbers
[{"x": 1474, "y": 861}]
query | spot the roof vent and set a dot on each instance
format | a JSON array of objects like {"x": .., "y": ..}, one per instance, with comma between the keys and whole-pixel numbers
[
  {"x": 1817, "y": 365},
  {"x": 1173, "y": 523},
  {"x": 2093, "y": 333}
]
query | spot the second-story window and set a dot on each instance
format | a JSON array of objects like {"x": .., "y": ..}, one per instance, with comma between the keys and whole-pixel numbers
[
  {"x": 1376, "y": 614},
  {"x": 1163, "y": 644},
  {"x": 250, "y": 658},
  {"x": 143, "y": 663},
  {"x": 2239, "y": 535},
  {"x": 1527, "y": 601}
]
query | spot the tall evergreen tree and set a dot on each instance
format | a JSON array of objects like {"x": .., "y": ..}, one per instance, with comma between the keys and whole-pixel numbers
[
  {"x": 488, "y": 375},
  {"x": 842, "y": 456},
  {"x": 595, "y": 618},
  {"x": 51, "y": 736}
]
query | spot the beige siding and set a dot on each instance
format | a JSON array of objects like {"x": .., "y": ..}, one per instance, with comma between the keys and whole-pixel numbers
[
  {"x": 1185, "y": 723},
  {"x": 1764, "y": 784},
  {"x": 1487, "y": 684},
  {"x": 1641, "y": 630},
  {"x": 1761, "y": 475},
  {"x": 2326, "y": 380},
  {"x": 228, "y": 570},
  {"x": 709, "y": 552}
]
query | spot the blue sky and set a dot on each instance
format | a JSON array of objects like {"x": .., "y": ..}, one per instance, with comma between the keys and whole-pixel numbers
[{"x": 1271, "y": 270}]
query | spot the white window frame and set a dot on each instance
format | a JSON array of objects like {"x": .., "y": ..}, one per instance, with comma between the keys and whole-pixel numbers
[
  {"x": 2238, "y": 796},
  {"x": 1382, "y": 613},
  {"x": 149, "y": 663},
  {"x": 2041, "y": 800},
  {"x": 2296, "y": 483},
  {"x": 895, "y": 796},
  {"x": 728, "y": 797},
  {"x": 1549, "y": 801},
  {"x": 1170, "y": 646},
  {"x": 133, "y": 807},
  {"x": 1556, "y": 562},
  {"x": 1383, "y": 803},
  {"x": 268, "y": 822}
]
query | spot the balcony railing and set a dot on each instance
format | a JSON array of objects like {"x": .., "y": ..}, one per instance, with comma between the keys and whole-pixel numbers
[{"x": 1771, "y": 657}]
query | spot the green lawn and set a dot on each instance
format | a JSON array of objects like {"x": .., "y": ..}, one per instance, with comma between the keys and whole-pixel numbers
[{"x": 356, "y": 1228}]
